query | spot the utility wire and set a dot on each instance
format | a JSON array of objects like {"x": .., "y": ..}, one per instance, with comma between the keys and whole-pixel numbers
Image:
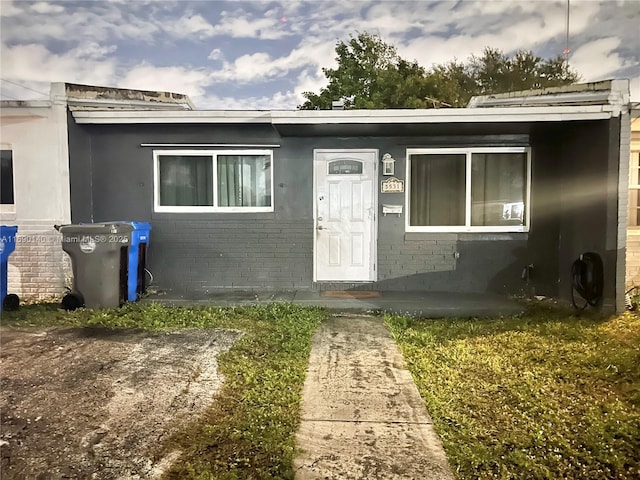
[{"x": 22, "y": 86}]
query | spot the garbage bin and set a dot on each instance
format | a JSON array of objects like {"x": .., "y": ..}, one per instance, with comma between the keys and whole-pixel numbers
[
  {"x": 7, "y": 246},
  {"x": 136, "y": 286},
  {"x": 99, "y": 260},
  {"x": 137, "y": 258}
]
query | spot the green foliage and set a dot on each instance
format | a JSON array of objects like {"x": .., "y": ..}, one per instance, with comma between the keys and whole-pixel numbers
[
  {"x": 544, "y": 395},
  {"x": 371, "y": 74},
  {"x": 495, "y": 72},
  {"x": 249, "y": 429}
]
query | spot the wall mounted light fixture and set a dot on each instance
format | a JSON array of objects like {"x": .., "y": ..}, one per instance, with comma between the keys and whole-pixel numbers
[{"x": 388, "y": 164}]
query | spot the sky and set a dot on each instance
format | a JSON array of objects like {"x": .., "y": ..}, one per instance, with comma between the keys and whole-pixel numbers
[{"x": 263, "y": 55}]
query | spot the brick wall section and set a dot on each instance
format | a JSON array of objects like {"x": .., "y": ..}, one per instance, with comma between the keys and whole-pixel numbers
[
  {"x": 38, "y": 269},
  {"x": 205, "y": 256},
  {"x": 633, "y": 260},
  {"x": 416, "y": 256}
]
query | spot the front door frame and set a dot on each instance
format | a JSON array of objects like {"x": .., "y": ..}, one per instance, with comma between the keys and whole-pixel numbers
[{"x": 374, "y": 221}]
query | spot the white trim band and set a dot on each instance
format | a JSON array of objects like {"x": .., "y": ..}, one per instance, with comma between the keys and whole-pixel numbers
[
  {"x": 319, "y": 117},
  {"x": 209, "y": 145}
]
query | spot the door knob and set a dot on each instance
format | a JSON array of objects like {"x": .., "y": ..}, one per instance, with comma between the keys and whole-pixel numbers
[{"x": 319, "y": 227}]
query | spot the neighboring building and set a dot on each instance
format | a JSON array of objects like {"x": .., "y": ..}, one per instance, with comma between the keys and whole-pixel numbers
[
  {"x": 34, "y": 176},
  {"x": 500, "y": 197},
  {"x": 35, "y": 192},
  {"x": 633, "y": 233}
]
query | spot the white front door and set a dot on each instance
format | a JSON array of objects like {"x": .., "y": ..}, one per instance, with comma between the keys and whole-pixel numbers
[{"x": 345, "y": 215}]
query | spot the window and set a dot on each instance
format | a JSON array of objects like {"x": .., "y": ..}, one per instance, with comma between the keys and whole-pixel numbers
[
  {"x": 7, "y": 201},
  {"x": 186, "y": 181},
  {"x": 470, "y": 189},
  {"x": 213, "y": 181},
  {"x": 345, "y": 167},
  {"x": 634, "y": 189}
]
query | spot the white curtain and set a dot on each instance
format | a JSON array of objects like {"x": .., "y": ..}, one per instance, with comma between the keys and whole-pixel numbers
[
  {"x": 244, "y": 181},
  {"x": 186, "y": 181}
]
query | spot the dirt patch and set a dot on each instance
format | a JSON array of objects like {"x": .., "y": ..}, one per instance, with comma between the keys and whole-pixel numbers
[{"x": 98, "y": 403}]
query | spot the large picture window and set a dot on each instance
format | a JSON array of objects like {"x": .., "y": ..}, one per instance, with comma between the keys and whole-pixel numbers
[
  {"x": 203, "y": 181},
  {"x": 470, "y": 189}
]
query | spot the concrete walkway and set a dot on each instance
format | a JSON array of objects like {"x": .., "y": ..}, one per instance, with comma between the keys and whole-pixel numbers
[{"x": 362, "y": 416}]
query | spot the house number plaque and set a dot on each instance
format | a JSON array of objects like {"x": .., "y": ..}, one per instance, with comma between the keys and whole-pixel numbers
[{"x": 392, "y": 185}]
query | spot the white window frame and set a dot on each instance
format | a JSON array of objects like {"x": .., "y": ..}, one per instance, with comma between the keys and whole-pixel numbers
[
  {"x": 214, "y": 159},
  {"x": 9, "y": 209},
  {"x": 467, "y": 227}
]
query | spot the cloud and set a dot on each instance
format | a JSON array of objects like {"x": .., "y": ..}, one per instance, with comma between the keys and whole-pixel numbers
[
  {"x": 45, "y": 66},
  {"x": 88, "y": 21},
  {"x": 240, "y": 24},
  {"x": 44, "y": 7},
  {"x": 508, "y": 26},
  {"x": 278, "y": 101},
  {"x": 176, "y": 79},
  {"x": 170, "y": 45},
  {"x": 8, "y": 8},
  {"x": 309, "y": 81},
  {"x": 215, "y": 54},
  {"x": 598, "y": 59},
  {"x": 191, "y": 25},
  {"x": 259, "y": 66},
  {"x": 92, "y": 51}
]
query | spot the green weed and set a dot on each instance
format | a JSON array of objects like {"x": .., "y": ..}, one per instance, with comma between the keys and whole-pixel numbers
[{"x": 538, "y": 396}]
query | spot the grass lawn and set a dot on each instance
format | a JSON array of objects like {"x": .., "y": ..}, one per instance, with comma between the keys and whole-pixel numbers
[
  {"x": 249, "y": 430},
  {"x": 543, "y": 396}
]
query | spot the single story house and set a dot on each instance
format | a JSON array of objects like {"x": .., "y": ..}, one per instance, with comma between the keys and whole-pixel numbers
[{"x": 500, "y": 197}]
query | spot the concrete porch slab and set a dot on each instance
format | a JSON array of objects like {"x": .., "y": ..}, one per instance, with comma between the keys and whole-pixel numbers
[{"x": 422, "y": 304}]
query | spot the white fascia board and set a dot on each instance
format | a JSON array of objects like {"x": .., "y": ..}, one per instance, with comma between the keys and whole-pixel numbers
[
  {"x": 444, "y": 115},
  {"x": 611, "y": 101},
  {"x": 586, "y": 98},
  {"x": 325, "y": 117},
  {"x": 177, "y": 116}
]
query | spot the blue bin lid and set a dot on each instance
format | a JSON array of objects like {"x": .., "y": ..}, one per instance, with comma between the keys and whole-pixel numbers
[
  {"x": 141, "y": 225},
  {"x": 8, "y": 229}
]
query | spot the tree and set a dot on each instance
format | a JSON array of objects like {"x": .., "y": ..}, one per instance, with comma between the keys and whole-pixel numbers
[
  {"x": 495, "y": 72},
  {"x": 371, "y": 74}
]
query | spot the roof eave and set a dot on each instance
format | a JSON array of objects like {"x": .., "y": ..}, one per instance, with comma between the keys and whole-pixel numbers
[{"x": 317, "y": 117}]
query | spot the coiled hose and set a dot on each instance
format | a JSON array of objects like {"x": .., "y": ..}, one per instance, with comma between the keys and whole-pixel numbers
[{"x": 587, "y": 279}]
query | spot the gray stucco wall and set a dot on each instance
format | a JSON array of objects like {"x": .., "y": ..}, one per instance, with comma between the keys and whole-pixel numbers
[
  {"x": 197, "y": 253},
  {"x": 212, "y": 251},
  {"x": 80, "y": 171},
  {"x": 588, "y": 201}
]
